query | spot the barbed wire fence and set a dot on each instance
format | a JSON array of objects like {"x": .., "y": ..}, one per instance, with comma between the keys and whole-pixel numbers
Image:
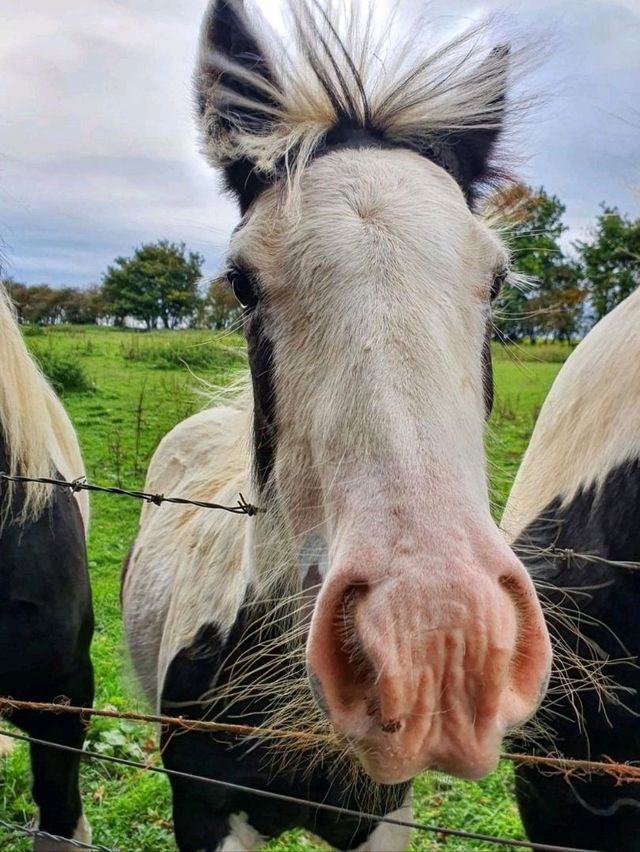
[
  {"x": 622, "y": 773},
  {"x": 80, "y": 484},
  {"x": 242, "y": 507},
  {"x": 294, "y": 800}
]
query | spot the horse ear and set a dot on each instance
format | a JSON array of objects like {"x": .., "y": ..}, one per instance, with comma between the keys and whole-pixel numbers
[
  {"x": 469, "y": 151},
  {"x": 236, "y": 96}
]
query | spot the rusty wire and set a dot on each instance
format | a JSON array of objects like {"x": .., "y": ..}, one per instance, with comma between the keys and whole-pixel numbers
[{"x": 622, "y": 773}]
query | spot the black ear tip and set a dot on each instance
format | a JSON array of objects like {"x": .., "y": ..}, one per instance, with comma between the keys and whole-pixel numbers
[{"x": 223, "y": 18}]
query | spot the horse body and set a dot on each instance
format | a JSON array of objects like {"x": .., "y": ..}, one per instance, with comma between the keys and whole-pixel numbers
[
  {"x": 578, "y": 488},
  {"x": 199, "y": 618},
  {"x": 372, "y": 601},
  {"x": 46, "y": 619}
]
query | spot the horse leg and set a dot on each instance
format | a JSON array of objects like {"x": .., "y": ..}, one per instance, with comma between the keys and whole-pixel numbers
[
  {"x": 56, "y": 788},
  {"x": 55, "y": 773}
]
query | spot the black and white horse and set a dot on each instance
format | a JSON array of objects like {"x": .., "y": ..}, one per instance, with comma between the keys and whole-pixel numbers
[
  {"x": 578, "y": 489},
  {"x": 372, "y": 600},
  {"x": 46, "y": 618}
]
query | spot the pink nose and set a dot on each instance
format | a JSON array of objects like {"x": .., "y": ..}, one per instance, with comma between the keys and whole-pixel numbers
[{"x": 428, "y": 669}]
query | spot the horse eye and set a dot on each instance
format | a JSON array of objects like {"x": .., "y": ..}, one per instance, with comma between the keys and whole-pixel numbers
[
  {"x": 498, "y": 281},
  {"x": 244, "y": 288}
]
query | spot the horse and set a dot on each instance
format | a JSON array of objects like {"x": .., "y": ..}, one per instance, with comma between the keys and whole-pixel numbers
[
  {"x": 371, "y": 604},
  {"x": 46, "y": 616},
  {"x": 573, "y": 516}
]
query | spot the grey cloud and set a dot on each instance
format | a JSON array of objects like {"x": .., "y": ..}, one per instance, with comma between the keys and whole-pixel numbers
[{"x": 98, "y": 150}]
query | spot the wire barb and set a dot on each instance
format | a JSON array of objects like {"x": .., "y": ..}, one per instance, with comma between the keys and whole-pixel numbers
[{"x": 80, "y": 484}]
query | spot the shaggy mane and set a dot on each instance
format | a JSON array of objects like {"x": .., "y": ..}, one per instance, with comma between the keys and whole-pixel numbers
[
  {"x": 336, "y": 71},
  {"x": 33, "y": 424}
]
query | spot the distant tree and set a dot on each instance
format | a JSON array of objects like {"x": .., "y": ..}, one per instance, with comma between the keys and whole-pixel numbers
[
  {"x": 19, "y": 295},
  {"x": 94, "y": 306},
  {"x": 611, "y": 260},
  {"x": 159, "y": 283},
  {"x": 40, "y": 305},
  {"x": 551, "y": 305},
  {"x": 78, "y": 306},
  {"x": 43, "y": 305},
  {"x": 221, "y": 307},
  {"x": 558, "y": 311}
]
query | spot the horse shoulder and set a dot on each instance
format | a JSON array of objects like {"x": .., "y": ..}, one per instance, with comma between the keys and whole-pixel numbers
[
  {"x": 588, "y": 427},
  {"x": 185, "y": 567}
]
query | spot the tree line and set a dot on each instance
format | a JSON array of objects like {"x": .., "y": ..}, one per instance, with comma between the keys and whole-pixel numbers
[{"x": 556, "y": 292}]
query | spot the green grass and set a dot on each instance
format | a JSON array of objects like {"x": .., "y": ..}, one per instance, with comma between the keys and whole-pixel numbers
[{"x": 139, "y": 386}]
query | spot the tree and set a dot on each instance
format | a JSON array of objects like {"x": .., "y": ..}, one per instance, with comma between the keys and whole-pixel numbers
[
  {"x": 611, "y": 260},
  {"x": 44, "y": 305},
  {"x": 558, "y": 311},
  {"x": 552, "y": 304},
  {"x": 160, "y": 282},
  {"x": 221, "y": 307}
]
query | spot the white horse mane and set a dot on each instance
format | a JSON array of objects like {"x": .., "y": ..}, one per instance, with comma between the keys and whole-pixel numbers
[
  {"x": 338, "y": 67},
  {"x": 35, "y": 428}
]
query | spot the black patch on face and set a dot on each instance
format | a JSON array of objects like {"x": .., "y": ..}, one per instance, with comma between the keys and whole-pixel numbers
[
  {"x": 260, "y": 352},
  {"x": 604, "y": 523},
  {"x": 465, "y": 156},
  {"x": 487, "y": 370}
]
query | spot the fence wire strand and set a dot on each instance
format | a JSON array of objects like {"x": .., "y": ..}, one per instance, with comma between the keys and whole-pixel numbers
[
  {"x": 244, "y": 508},
  {"x": 621, "y": 772},
  {"x": 295, "y": 800},
  {"x": 80, "y": 484},
  {"x": 56, "y": 838}
]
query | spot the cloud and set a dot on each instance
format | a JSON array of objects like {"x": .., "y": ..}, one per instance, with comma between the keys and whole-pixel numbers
[{"x": 98, "y": 150}]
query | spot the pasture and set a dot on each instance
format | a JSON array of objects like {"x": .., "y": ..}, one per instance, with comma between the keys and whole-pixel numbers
[{"x": 124, "y": 390}]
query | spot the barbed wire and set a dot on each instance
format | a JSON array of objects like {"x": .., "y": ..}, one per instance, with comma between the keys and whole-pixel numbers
[
  {"x": 244, "y": 508},
  {"x": 622, "y": 773},
  {"x": 198, "y": 725},
  {"x": 296, "y": 800},
  {"x": 45, "y": 835},
  {"x": 80, "y": 484}
]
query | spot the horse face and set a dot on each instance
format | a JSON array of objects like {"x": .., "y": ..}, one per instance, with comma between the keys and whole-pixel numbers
[
  {"x": 366, "y": 321},
  {"x": 366, "y": 291}
]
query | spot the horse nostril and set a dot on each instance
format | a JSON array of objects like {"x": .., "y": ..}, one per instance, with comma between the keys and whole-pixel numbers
[
  {"x": 517, "y": 592},
  {"x": 340, "y": 670},
  {"x": 358, "y": 666}
]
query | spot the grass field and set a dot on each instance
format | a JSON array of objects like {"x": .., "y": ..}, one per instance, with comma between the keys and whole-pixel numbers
[{"x": 133, "y": 388}]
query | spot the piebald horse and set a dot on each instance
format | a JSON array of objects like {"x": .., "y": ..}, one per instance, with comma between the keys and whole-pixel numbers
[
  {"x": 46, "y": 616},
  {"x": 578, "y": 489},
  {"x": 372, "y": 600}
]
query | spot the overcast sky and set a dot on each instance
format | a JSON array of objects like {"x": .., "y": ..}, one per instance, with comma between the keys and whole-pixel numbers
[{"x": 98, "y": 151}]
